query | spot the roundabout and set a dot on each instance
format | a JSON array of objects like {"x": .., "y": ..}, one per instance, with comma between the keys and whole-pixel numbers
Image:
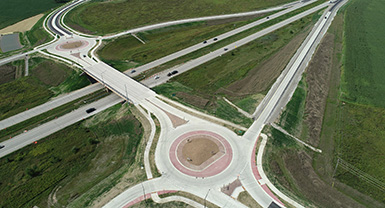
[{"x": 200, "y": 153}]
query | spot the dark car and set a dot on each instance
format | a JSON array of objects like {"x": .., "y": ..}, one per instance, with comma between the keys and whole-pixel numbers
[
  {"x": 133, "y": 71},
  {"x": 215, "y": 39},
  {"x": 204, "y": 41},
  {"x": 226, "y": 49},
  {"x": 84, "y": 56},
  {"x": 172, "y": 73},
  {"x": 90, "y": 110},
  {"x": 2, "y": 146},
  {"x": 267, "y": 17}
]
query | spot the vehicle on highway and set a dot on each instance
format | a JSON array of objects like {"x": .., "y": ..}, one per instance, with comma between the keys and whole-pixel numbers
[
  {"x": 156, "y": 77},
  {"x": 215, "y": 39},
  {"x": 225, "y": 49},
  {"x": 90, "y": 110},
  {"x": 2, "y": 146},
  {"x": 172, "y": 73},
  {"x": 267, "y": 17},
  {"x": 84, "y": 56},
  {"x": 133, "y": 71},
  {"x": 204, "y": 42}
]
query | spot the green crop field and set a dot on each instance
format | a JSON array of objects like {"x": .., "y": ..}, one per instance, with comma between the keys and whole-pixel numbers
[
  {"x": 364, "y": 74},
  {"x": 75, "y": 158},
  {"x": 361, "y": 139},
  {"x": 12, "y": 11},
  {"x": 124, "y": 15}
]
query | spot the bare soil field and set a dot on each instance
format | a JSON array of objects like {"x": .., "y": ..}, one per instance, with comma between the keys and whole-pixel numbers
[
  {"x": 22, "y": 26},
  {"x": 263, "y": 76},
  {"x": 198, "y": 150}
]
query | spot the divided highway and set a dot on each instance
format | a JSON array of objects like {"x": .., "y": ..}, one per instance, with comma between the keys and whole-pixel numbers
[{"x": 137, "y": 93}]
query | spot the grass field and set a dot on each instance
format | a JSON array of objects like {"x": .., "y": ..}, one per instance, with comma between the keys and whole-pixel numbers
[
  {"x": 12, "y": 11},
  {"x": 361, "y": 139},
  {"x": 363, "y": 74},
  {"x": 47, "y": 79},
  {"x": 129, "y": 14},
  {"x": 68, "y": 159}
]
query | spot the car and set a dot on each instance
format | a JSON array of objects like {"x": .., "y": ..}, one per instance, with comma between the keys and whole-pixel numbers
[
  {"x": 133, "y": 71},
  {"x": 84, "y": 56},
  {"x": 225, "y": 49},
  {"x": 172, "y": 73},
  {"x": 156, "y": 77},
  {"x": 215, "y": 39},
  {"x": 204, "y": 42},
  {"x": 267, "y": 17},
  {"x": 2, "y": 146},
  {"x": 90, "y": 110}
]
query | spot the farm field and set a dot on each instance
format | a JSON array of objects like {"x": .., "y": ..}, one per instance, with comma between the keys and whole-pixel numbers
[
  {"x": 12, "y": 11},
  {"x": 47, "y": 79},
  {"x": 123, "y": 15},
  {"x": 64, "y": 164}
]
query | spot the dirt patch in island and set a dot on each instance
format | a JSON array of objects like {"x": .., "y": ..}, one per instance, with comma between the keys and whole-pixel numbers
[
  {"x": 198, "y": 150},
  {"x": 317, "y": 79},
  {"x": 260, "y": 79},
  {"x": 7, "y": 73},
  {"x": 23, "y": 25},
  {"x": 72, "y": 45}
]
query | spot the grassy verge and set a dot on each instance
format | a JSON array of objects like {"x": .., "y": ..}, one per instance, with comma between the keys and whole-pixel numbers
[
  {"x": 68, "y": 159},
  {"x": 49, "y": 115},
  {"x": 247, "y": 200},
  {"x": 124, "y": 15},
  {"x": 192, "y": 197},
  {"x": 291, "y": 118},
  {"x": 154, "y": 169},
  {"x": 151, "y": 203}
]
